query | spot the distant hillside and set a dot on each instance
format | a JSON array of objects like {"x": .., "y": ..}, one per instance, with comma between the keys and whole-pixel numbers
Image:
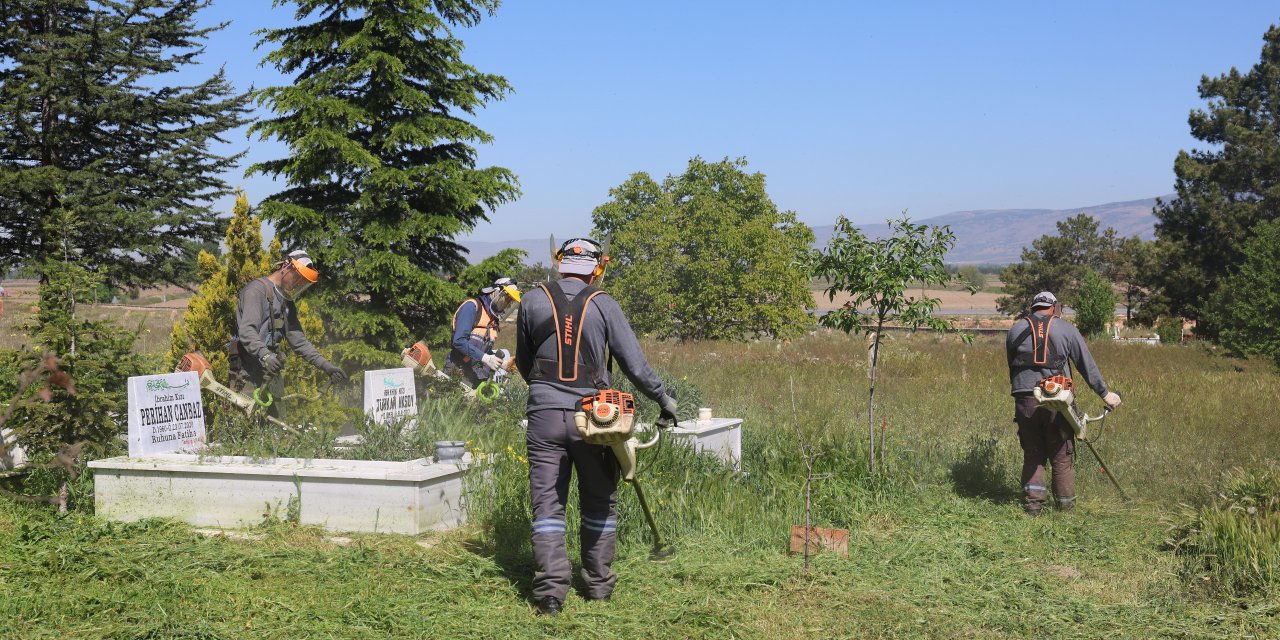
[
  {"x": 997, "y": 236},
  {"x": 994, "y": 236}
]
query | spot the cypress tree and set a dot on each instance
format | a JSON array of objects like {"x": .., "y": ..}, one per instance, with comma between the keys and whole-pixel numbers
[
  {"x": 381, "y": 172},
  {"x": 92, "y": 127}
]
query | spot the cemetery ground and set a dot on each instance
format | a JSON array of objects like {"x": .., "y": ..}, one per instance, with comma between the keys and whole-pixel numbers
[{"x": 938, "y": 546}]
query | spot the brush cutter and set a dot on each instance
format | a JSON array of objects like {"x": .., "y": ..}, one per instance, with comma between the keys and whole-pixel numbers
[
  {"x": 198, "y": 364},
  {"x": 418, "y": 358},
  {"x": 1058, "y": 393},
  {"x": 608, "y": 418}
]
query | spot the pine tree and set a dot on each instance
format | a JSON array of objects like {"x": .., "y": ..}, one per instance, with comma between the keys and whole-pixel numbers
[
  {"x": 1225, "y": 191},
  {"x": 381, "y": 173},
  {"x": 92, "y": 127}
]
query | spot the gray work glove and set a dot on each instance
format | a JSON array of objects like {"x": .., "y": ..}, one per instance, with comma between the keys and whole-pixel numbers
[
  {"x": 336, "y": 374},
  {"x": 491, "y": 361},
  {"x": 1112, "y": 399},
  {"x": 272, "y": 363},
  {"x": 667, "y": 417}
]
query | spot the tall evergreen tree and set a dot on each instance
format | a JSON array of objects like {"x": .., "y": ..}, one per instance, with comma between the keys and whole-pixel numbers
[
  {"x": 91, "y": 127},
  {"x": 1224, "y": 191},
  {"x": 382, "y": 173}
]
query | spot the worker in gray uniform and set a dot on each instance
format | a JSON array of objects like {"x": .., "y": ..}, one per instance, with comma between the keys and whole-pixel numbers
[
  {"x": 568, "y": 332},
  {"x": 266, "y": 318},
  {"x": 1041, "y": 345}
]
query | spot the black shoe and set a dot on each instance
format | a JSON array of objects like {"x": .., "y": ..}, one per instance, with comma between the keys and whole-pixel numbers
[
  {"x": 1034, "y": 513},
  {"x": 549, "y": 606}
]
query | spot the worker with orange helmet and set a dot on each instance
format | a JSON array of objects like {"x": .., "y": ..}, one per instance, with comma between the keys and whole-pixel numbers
[{"x": 266, "y": 318}]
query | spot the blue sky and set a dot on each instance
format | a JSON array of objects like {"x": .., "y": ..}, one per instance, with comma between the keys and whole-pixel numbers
[{"x": 849, "y": 108}]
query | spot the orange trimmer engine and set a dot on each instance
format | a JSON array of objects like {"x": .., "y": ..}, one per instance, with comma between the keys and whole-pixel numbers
[
  {"x": 1054, "y": 385},
  {"x": 418, "y": 354},
  {"x": 194, "y": 362},
  {"x": 608, "y": 417}
]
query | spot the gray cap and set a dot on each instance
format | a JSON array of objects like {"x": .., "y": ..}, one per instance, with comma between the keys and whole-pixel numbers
[
  {"x": 579, "y": 256},
  {"x": 1043, "y": 299}
]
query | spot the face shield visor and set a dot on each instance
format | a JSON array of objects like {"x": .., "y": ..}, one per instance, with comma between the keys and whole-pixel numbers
[
  {"x": 300, "y": 276},
  {"x": 503, "y": 293}
]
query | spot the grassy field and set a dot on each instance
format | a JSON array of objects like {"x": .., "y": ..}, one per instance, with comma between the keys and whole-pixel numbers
[{"x": 938, "y": 545}]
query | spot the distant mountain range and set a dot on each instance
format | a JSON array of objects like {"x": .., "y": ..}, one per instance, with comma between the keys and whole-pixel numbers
[{"x": 984, "y": 236}]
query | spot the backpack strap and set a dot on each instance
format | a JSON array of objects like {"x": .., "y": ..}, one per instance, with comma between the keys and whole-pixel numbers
[{"x": 565, "y": 326}]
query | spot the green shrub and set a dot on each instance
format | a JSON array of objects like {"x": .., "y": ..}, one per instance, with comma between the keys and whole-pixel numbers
[
  {"x": 1233, "y": 545},
  {"x": 1097, "y": 304},
  {"x": 1169, "y": 328}
]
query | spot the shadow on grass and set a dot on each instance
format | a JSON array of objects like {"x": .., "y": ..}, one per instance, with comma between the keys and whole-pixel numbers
[
  {"x": 510, "y": 547},
  {"x": 982, "y": 474}
]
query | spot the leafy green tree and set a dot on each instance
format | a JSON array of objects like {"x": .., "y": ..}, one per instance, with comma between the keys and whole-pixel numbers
[
  {"x": 706, "y": 255},
  {"x": 1057, "y": 263},
  {"x": 381, "y": 173},
  {"x": 1095, "y": 304},
  {"x": 92, "y": 126},
  {"x": 1247, "y": 305},
  {"x": 1224, "y": 191},
  {"x": 82, "y": 410},
  {"x": 879, "y": 277}
]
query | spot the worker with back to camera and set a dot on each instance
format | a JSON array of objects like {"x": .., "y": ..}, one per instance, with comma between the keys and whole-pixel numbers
[
  {"x": 1044, "y": 346},
  {"x": 266, "y": 318},
  {"x": 475, "y": 330},
  {"x": 563, "y": 332}
]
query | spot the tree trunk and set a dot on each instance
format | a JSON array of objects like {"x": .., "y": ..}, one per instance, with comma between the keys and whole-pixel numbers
[{"x": 871, "y": 398}]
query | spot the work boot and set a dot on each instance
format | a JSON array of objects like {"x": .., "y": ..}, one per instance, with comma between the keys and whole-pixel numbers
[
  {"x": 1066, "y": 504},
  {"x": 549, "y": 606},
  {"x": 1032, "y": 511}
]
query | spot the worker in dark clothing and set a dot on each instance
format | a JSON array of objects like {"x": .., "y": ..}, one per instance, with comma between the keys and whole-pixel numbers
[
  {"x": 1044, "y": 346},
  {"x": 266, "y": 318},
  {"x": 475, "y": 330},
  {"x": 563, "y": 331}
]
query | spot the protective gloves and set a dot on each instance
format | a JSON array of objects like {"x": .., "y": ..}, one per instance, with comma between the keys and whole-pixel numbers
[
  {"x": 336, "y": 374},
  {"x": 491, "y": 361},
  {"x": 272, "y": 363},
  {"x": 667, "y": 418},
  {"x": 1112, "y": 399}
]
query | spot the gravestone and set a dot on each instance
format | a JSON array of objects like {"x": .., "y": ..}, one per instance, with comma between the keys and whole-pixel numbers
[
  {"x": 165, "y": 414},
  {"x": 390, "y": 395}
]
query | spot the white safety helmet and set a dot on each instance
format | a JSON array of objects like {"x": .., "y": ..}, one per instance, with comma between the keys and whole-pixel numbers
[{"x": 502, "y": 293}]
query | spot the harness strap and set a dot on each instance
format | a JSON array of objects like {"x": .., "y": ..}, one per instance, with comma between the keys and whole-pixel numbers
[{"x": 565, "y": 326}]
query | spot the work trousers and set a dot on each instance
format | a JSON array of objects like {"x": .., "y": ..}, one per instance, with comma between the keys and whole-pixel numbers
[
  {"x": 555, "y": 450},
  {"x": 1044, "y": 435}
]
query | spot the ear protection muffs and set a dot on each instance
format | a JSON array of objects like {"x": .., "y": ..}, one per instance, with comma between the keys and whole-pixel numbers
[{"x": 597, "y": 253}]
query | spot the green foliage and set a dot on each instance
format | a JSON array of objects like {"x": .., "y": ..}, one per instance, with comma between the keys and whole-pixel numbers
[
  {"x": 971, "y": 275},
  {"x": 1246, "y": 307},
  {"x": 78, "y": 409},
  {"x": 876, "y": 274},
  {"x": 1059, "y": 263},
  {"x": 1169, "y": 328},
  {"x": 1222, "y": 192},
  {"x": 1095, "y": 304},
  {"x": 91, "y": 127},
  {"x": 507, "y": 263},
  {"x": 381, "y": 173},
  {"x": 1233, "y": 544},
  {"x": 706, "y": 255}
]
